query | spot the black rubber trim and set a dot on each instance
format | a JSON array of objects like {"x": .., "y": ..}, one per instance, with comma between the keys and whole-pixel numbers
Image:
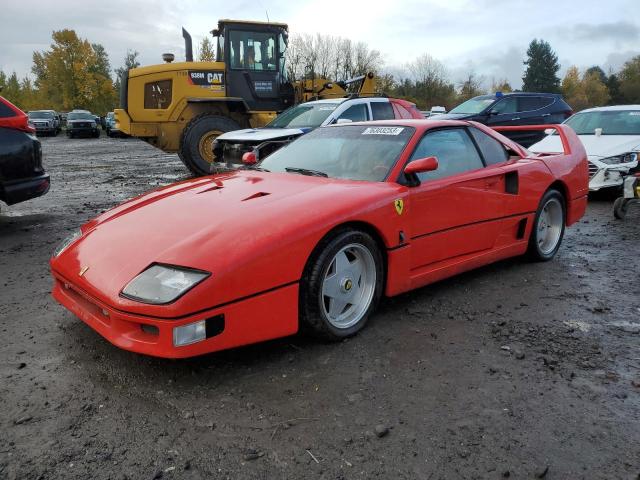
[
  {"x": 469, "y": 224},
  {"x": 397, "y": 247}
]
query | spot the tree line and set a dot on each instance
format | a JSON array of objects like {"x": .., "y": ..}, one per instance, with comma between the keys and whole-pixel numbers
[{"x": 74, "y": 73}]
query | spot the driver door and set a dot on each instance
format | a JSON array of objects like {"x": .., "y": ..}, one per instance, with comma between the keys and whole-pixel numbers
[{"x": 456, "y": 209}]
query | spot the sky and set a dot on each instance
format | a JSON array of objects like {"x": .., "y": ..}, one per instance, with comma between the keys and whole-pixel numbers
[{"x": 489, "y": 37}]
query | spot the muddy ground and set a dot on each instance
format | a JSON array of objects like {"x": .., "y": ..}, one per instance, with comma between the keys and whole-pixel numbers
[{"x": 515, "y": 370}]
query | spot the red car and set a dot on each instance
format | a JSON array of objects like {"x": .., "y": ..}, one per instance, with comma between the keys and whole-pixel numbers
[{"x": 315, "y": 234}]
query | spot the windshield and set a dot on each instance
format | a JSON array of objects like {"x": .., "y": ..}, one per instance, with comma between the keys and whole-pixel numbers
[
  {"x": 304, "y": 115},
  {"x": 40, "y": 115},
  {"x": 353, "y": 152},
  {"x": 617, "y": 122},
  {"x": 475, "y": 105},
  {"x": 80, "y": 116}
]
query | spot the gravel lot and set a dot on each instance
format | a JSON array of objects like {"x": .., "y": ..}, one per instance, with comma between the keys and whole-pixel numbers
[{"x": 516, "y": 370}]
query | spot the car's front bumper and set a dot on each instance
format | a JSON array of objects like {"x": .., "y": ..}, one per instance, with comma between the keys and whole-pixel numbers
[
  {"x": 40, "y": 129},
  {"x": 16, "y": 191},
  {"x": 83, "y": 131},
  {"x": 602, "y": 175},
  {"x": 260, "y": 317}
]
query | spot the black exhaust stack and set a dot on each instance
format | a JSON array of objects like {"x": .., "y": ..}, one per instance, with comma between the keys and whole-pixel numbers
[{"x": 188, "y": 46}]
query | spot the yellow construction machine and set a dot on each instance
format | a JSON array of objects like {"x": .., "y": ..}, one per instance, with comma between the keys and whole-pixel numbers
[{"x": 183, "y": 106}]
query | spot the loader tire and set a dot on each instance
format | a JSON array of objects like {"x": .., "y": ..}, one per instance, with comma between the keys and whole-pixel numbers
[{"x": 196, "y": 142}]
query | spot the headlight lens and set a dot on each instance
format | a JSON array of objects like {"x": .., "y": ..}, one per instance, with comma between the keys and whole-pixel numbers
[
  {"x": 161, "y": 284},
  {"x": 93, "y": 124},
  {"x": 624, "y": 158},
  {"x": 64, "y": 244}
]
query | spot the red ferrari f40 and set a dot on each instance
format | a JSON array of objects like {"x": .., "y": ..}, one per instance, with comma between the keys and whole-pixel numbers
[{"x": 312, "y": 236}]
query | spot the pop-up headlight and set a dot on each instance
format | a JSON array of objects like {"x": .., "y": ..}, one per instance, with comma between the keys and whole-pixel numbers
[
  {"x": 160, "y": 284},
  {"x": 64, "y": 244}
]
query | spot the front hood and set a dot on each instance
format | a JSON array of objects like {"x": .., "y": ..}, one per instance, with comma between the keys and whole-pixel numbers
[
  {"x": 219, "y": 224},
  {"x": 596, "y": 147},
  {"x": 451, "y": 116},
  {"x": 257, "y": 135}
]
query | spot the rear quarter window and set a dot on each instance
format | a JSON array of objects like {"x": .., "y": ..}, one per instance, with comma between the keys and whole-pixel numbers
[
  {"x": 157, "y": 95},
  {"x": 492, "y": 150},
  {"x": 382, "y": 111}
]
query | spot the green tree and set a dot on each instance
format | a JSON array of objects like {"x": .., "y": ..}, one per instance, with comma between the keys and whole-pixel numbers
[
  {"x": 3, "y": 81},
  {"x": 613, "y": 85},
  {"x": 130, "y": 61},
  {"x": 630, "y": 80},
  {"x": 12, "y": 90},
  {"x": 599, "y": 72},
  {"x": 206, "y": 51},
  {"x": 542, "y": 64}
]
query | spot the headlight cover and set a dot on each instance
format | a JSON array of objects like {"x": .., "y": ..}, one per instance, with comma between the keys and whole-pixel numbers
[
  {"x": 618, "y": 159},
  {"x": 66, "y": 242},
  {"x": 161, "y": 284}
]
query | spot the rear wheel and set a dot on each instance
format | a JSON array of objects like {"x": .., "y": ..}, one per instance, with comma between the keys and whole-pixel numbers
[
  {"x": 341, "y": 285},
  {"x": 196, "y": 144},
  {"x": 548, "y": 227}
]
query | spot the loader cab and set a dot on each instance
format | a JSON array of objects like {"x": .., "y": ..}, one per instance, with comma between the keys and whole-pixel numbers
[{"x": 253, "y": 54}]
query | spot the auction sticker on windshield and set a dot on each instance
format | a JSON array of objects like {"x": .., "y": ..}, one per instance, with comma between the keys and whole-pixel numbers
[{"x": 382, "y": 131}]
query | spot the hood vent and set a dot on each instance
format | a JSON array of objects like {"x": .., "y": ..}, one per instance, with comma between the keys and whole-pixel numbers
[
  {"x": 215, "y": 187},
  {"x": 256, "y": 195}
]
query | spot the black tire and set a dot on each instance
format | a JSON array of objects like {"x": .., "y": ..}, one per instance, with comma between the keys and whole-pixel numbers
[
  {"x": 313, "y": 319},
  {"x": 535, "y": 251},
  {"x": 620, "y": 208},
  {"x": 194, "y": 132}
]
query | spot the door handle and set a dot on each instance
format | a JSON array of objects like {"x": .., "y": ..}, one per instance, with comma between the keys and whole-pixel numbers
[
  {"x": 515, "y": 118},
  {"x": 546, "y": 114}
]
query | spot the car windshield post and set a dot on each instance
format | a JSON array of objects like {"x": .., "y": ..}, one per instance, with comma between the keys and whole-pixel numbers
[{"x": 350, "y": 152}]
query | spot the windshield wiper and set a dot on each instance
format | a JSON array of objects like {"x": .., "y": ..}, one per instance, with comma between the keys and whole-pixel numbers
[
  {"x": 306, "y": 171},
  {"x": 255, "y": 167}
]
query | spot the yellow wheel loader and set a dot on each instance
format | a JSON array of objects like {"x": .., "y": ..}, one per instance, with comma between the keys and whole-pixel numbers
[{"x": 183, "y": 106}]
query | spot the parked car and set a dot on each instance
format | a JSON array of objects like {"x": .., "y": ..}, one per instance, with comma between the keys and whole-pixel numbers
[
  {"x": 611, "y": 136},
  {"x": 82, "y": 123},
  {"x": 22, "y": 175},
  {"x": 111, "y": 126},
  {"x": 45, "y": 122},
  {"x": 229, "y": 147},
  {"x": 514, "y": 109},
  {"x": 314, "y": 235}
]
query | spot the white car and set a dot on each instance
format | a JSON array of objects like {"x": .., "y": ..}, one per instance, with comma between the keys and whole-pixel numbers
[{"x": 611, "y": 137}]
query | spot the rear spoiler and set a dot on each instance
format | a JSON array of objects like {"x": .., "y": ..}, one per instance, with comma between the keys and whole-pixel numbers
[{"x": 561, "y": 129}]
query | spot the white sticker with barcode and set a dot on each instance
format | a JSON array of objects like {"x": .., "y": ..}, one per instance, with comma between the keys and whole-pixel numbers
[{"x": 382, "y": 131}]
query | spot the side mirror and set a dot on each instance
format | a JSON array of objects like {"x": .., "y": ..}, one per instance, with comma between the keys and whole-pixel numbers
[
  {"x": 421, "y": 165},
  {"x": 249, "y": 158},
  {"x": 343, "y": 120}
]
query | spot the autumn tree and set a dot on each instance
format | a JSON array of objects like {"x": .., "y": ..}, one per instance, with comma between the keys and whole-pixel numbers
[
  {"x": 501, "y": 85},
  {"x": 206, "y": 51},
  {"x": 542, "y": 64},
  {"x": 630, "y": 80},
  {"x": 584, "y": 91},
  {"x": 595, "y": 89},
  {"x": 71, "y": 74},
  {"x": 130, "y": 61}
]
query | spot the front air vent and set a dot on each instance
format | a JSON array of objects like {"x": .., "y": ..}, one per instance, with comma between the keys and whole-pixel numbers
[
  {"x": 215, "y": 187},
  {"x": 256, "y": 195}
]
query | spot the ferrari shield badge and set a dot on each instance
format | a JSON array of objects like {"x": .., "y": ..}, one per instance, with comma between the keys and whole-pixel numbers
[{"x": 399, "y": 204}]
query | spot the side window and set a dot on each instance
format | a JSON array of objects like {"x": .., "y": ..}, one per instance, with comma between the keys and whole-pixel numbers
[
  {"x": 157, "y": 95},
  {"x": 529, "y": 103},
  {"x": 356, "y": 113},
  {"x": 5, "y": 111},
  {"x": 382, "y": 111},
  {"x": 492, "y": 150},
  {"x": 506, "y": 105},
  {"x": 454, "y": 150}
]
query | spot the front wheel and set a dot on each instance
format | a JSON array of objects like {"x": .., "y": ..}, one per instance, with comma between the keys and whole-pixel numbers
[
  {"x": 620, "y": 208},
  {"x": 548, "y": 227},
  {"x": 196, "y": 144},
  {"x": 341, "y": 285}
]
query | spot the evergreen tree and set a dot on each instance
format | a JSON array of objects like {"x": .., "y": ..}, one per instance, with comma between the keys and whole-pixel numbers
[
  {"x": 599, "y": 72},
  {"x": 630, "y": 80},
  {"x": 542, "y": 64},
  {"x": 130, "y": 61},
  {"x": 615, "y": 95}
]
